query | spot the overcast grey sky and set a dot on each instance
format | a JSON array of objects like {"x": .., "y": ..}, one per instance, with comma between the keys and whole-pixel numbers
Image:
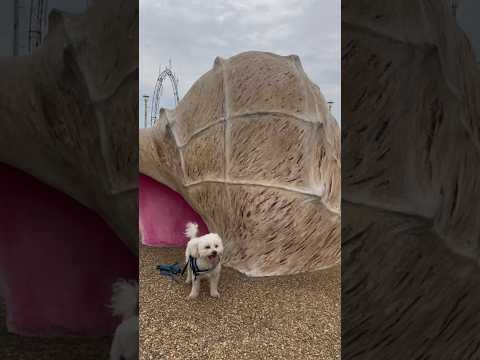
[
  {"x": 192, "y": 33},
  {"x": 468, "y": 15}
]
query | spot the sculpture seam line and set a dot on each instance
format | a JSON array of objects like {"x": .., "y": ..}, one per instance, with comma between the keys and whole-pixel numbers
[
  {"x": 309, "y": 139},
  {"x": 226, "y": 145},
  {"x": 246, "y": 114},
  {"x": 259, "y": 184},
  {"x": 182, "y": 162}
]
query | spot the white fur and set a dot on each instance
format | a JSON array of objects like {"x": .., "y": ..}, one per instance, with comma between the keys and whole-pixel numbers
[
  {"x": 125, "y": 305},
  {"x": 201, "y": 248},
  {"x": 191, "y": 231}
]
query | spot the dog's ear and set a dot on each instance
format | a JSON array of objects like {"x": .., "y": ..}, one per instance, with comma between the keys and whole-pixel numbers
[{"x": 193, "y": 250}]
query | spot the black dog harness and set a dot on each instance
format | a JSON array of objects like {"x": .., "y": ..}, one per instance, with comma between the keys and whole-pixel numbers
[
  {"x": 192, "y": 262},
  {"x": 174, "y": 271}
]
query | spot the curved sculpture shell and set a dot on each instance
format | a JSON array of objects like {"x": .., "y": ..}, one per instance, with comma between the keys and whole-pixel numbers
[
  {"x": 254, "y": 150},
  {"x": 74, "y": 122},
  {"x": 411, "y": 244},
  {"x": 68, "y": 173}
]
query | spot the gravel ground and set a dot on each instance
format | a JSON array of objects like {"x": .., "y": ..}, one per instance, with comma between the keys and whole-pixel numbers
[
  {"x": 14, "y": 347},
  {"x": 289, "y": 317}
]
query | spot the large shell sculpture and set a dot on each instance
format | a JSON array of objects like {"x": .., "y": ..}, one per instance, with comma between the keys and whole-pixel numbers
[
  {"x": 68, "y": 173},
  {"x": 253, "y": 148},
  {"x": 411, "y": 154},
  {"x": 74, "y": 123}
]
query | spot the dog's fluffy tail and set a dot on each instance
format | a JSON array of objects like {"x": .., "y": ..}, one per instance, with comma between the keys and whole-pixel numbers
[
  {"x": 125, "y": 299},
  {"x": 191, "y": 230}
]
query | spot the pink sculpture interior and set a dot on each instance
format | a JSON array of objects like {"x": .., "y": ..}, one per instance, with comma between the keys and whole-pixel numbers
[
  {"x": 164, "y": 214},
  {"x": 58, "y": 261}
]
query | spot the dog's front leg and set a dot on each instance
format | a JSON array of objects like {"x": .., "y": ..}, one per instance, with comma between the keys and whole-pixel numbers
[
  {"x": 195, "y": 288},
  {"x": 214, "y": 278},
  {"x": 189, "y": 276},
  {"x": 116, "y": 351}
]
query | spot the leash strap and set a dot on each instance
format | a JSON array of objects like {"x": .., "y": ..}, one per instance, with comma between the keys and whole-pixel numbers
[
  {"x": 173, "y": 270},
  {"x": 185, "y": 267},
  {"x": 195, "y": 269}
]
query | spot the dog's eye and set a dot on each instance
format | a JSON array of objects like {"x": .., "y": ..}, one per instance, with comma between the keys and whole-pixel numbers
[
  {"x": 216, "y": 246},
  {"x": 207, "y": 247}
]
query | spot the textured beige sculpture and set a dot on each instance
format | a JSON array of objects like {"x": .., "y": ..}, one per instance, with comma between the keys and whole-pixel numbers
[
  {"x": 68, "y": 124},
  {"x": 254, "y": 150},
  {"x": 410, "y": 149},
  {"x": 430, "y": 136}
]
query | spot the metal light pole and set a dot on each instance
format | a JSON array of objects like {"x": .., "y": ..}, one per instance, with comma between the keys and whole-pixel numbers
[
  {"x": 330, "y": 104},
  {"x": 455, "y": 6},
  {"x": 16, "y": 21},
  {"x": 145, "y": 98}
]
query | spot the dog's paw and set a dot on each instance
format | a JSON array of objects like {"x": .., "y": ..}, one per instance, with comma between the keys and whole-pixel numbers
[
  {"x": 215, "y": 294},
  {"x": 193, "y": 296},
  {"x": 188, "y": 281}
]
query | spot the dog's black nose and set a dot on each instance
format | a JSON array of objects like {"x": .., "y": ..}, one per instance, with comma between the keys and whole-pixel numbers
[{"x": 214, "y": 252}]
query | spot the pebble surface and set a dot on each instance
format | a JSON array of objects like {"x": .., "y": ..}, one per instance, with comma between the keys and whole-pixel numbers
[
  {"x": 287, "y": 317},
  {"x": 15, "y": 347}
]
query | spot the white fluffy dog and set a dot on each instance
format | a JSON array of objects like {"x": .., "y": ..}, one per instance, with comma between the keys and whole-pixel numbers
[
  {"x": 203, "y": 256},
  {"x": 125, "y": 305}
]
